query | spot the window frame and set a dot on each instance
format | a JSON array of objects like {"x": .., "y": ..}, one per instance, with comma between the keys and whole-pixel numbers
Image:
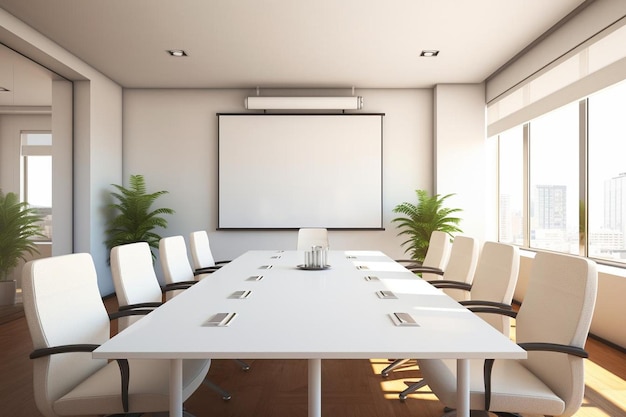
[{"x": 583, "y": 186}]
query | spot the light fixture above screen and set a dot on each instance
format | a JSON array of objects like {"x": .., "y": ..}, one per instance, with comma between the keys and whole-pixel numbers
[{"x": 304, "y": 103}]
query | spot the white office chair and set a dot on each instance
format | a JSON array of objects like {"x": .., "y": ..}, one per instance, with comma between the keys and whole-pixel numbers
[
  {"x": 436, "y": 258},
  {"x": 137, "y": 288},
  {"x": 493, "y": 283},
  {"x": 175, "y": 263},
  {"x": 201, "y": 255},
  {"x": 67, "y": 320},
  {"x": 134, "y": 279},
  {"x": 308, "y": 237},
  {"x": 552, "y": 325},
  {"x": 493, "y": 286},
  {"x": 461, "y": 265},
  {"x": 177, "y": 270},
  {"x": 500, "y": 263}
]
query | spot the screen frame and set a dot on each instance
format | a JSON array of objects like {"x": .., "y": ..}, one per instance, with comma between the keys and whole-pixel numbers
[{"x": 379, "y": 226}]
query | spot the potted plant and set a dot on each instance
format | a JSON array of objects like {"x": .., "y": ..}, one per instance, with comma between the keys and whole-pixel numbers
[
  {"x": 419, "y": 221},
  {"x": 135, "y": 220},
  {"x": 19, "y": 225}
]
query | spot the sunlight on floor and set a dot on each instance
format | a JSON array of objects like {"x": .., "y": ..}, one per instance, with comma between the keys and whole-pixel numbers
[
  {"x": 393, "y": 385},
  {"x": 602, "y": 387},
  {"x": 588, "y": 410}
]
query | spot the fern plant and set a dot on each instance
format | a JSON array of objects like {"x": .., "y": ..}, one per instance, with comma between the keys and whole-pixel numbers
[
  {"x": 136, "y": 220},
  {"x": 419, "y": 221},
  {"x": 19, "y": 225}
]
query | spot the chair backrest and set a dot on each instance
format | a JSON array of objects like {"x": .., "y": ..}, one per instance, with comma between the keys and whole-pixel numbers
[
  {"x": 134, "y": 278},
  {"x": 462, "y": 264},
  {"x": 557, "y": 308},
  {"x": 175, "y": 261},
  {"x": 200, "y": 249},
  {"x": 308, "y": 237},
  {"x": 437, "y": 254},
  {"x": 495, "y": 279},
  {"x": 63, "y": 305}
]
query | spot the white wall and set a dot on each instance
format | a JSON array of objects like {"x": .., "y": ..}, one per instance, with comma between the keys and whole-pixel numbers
[
  {"x": 97, "y": 165},
  {"x": 170, "y": 137},
  {"x": 461, "y": 164},
  {"x": 62, "y": 167}
]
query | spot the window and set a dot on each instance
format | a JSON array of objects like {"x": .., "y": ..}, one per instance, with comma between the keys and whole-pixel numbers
[
  {"x": 37, "y": 176},
  {"x": 554, "y": 179},
  {"x": 607, "y": 174},
  {"x": 511, "y": 186},
  {"x": 565, "y": 208}
]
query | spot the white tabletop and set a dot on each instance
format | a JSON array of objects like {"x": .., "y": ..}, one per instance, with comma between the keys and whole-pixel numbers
[{"x": 298, "y": 314}]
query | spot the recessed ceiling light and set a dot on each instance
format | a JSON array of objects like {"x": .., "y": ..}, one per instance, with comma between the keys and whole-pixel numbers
[
  {"x": 177, "y": 52},
  {"x": 429, "y": 53},
  {"x": 2, "y": 89}
]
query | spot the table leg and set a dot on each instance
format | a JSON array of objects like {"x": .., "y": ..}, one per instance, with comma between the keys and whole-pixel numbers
[
  {"x": 176, "y": 388},
  {"x": 315, "y": 387},
  {"x": 462, "y": 388}
]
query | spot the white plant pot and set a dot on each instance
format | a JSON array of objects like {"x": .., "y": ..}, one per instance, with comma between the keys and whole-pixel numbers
[{"x": 7, "y": 292}]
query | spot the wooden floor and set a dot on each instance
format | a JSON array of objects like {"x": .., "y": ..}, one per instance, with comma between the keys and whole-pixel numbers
[{"x": 278, "y": 388}]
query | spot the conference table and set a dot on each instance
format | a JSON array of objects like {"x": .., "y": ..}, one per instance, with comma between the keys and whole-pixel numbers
[{"x": 266, "y": 305}]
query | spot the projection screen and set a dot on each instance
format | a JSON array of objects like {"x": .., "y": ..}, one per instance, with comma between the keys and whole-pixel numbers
[{"x": 286, "y": 171}]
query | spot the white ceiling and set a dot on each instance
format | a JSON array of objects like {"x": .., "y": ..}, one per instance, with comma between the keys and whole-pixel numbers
[{"x": 292, "y": 43}]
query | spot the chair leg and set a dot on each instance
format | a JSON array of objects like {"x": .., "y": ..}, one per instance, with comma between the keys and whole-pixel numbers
[
  {"x": 395, "y": 364},
  {"x": 411, "y": 388},
  {"x": 225, "y": 395},
  {"x": 242, "y": 364}
]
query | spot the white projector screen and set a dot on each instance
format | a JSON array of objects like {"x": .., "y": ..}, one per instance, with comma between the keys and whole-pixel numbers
[{"x": 286, "y": 171}]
